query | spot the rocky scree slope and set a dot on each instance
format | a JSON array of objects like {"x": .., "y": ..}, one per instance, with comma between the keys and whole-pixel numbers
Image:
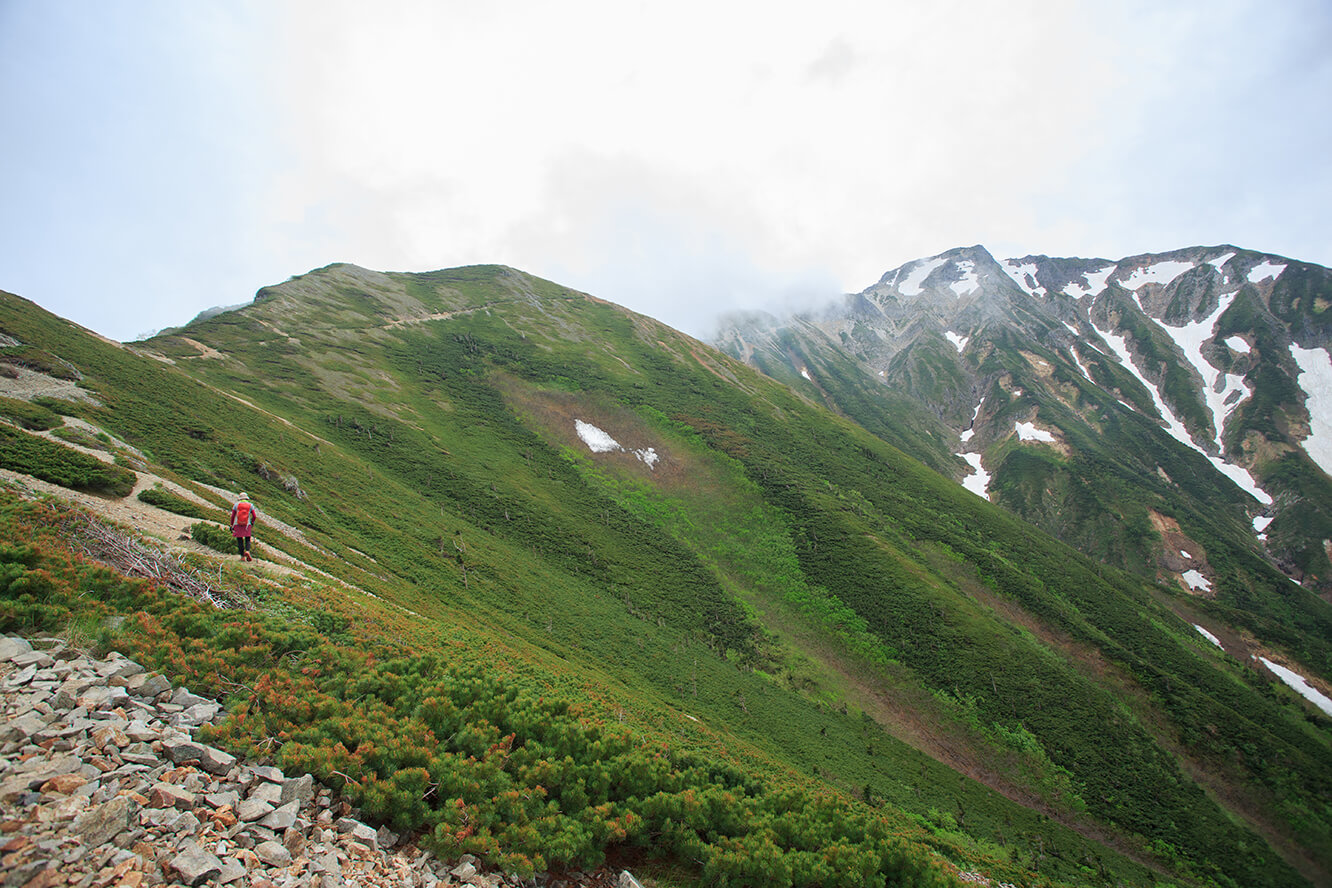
[{"x": 102, "y": 783}]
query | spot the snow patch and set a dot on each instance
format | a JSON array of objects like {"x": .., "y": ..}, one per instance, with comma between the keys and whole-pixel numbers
[
  {"x": 1027, "y": 431},
  {"x": 1073, "y": 350},
  {"x": 1196, "y": 580},
  {"x": 968, "y": 283},
  {"x": 599, "y": 441},
  {"x": 1243, "y": 480},
  {"x": 1209, "y": 636},
  {"x": 920, "y": 270},
  {"x": 1264, "y": 270},
  {"x": 1221, "y": 392},
  {"x": 971, "y": 429},
  {"x": 1221, "y": 260},
  {"x": 1157, "y": 273},
  {"x": 1095, "y": 283},
  {"x": 959, "y": 342},
  {"x": 1186, "y": 554},
  {"x": 1300, "y": 685},
  {"x": 596, "y": 440},
  {"x": 1260, "y": 522},
  {"x": 1237, "y": 343},
  {"x": 1315, "y": 377},
  {"x": 804, "y": 371},
  {"x": 978, "y": 482},
  {"x": 1024, "y": 275}
]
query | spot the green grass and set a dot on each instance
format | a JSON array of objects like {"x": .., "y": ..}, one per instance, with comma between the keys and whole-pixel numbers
[{"x": 462, "y": 494}]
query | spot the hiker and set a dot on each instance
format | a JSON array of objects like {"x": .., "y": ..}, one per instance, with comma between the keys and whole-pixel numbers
[{"x": 242, "y": 521}]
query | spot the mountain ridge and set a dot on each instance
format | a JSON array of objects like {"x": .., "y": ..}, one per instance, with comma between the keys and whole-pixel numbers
[
  {"x": 1199, "y": 331},
  {"x": 705, "y": 601}
]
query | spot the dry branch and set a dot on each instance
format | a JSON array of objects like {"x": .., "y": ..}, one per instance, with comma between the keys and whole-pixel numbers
[{"x": 106, "y": 544}]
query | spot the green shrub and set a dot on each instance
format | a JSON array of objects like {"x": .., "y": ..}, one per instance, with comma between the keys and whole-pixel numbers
[
  {"x": 57, "y": 464},
  {"x": 165, "y": 499},
  {"x": 29, "y": 415},
  {"x": 213, "y": 536}
]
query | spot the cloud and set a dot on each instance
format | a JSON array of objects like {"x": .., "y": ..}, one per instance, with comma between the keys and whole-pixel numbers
[{"x": 671, "y": 158}]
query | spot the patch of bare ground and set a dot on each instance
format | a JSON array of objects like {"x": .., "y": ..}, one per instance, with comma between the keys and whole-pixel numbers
[
  {"x": 1179, "y": 553},
  {"x": 555, "y": 413},
  {"x": 28, "y": 384}
]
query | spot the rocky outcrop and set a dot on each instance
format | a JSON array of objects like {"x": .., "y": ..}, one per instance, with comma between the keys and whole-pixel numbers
[{"x": 103, "y": 784}]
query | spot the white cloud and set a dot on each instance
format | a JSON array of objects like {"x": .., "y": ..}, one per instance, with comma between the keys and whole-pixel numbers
[{"x": 679, "y": 158}]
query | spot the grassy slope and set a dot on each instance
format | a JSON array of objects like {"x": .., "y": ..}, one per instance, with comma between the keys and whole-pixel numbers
[{"x": 551, "y": 550}]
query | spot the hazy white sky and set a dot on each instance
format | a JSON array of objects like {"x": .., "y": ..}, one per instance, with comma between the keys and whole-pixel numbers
[{"x": 682, "y": 159}]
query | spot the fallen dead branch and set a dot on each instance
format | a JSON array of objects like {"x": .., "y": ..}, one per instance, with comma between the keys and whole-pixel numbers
[{"x": 103, "y": 542}]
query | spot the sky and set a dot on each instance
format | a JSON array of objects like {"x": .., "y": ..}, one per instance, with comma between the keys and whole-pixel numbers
[{"x": 683, "y": 159}]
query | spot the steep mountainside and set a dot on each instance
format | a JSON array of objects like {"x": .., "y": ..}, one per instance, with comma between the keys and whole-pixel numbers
[
  {"x": 1165, "y": 413},
  {"x": 628, "y": 594}
]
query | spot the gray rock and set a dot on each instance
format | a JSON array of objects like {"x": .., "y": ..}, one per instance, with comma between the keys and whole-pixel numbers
[
  {"x": 147, "y": 685},
  {"x": 22, "y": 677},
  {"x": 70, "y": 691},
  {"x": 104, "y": 697},
  {"x": 253, "y": 809},
  {"x": 24, "y": 660},
  {"x": 232, "y": 869},
  {"x": 183, "y": 698},
  {"x": 216, "y": 761},
  {"x": 120, "y": 667},
  {"x": 222, "y": 799},
  {"x": 182, "y": 751},
  {"x": 628, "y": 881},
  {"x": 11, "y": 647},
  {"x": 198, "y": 714},
  {"x": 282, "y": 818},
  {"x": 273, "y": 853},
  {"x": 22, "y": 728},
  {"x": 359, "y": 832},
  {"x": 298, "y": 789},
  {"x": 463, "y": 871},
  {"x": 267, "y": 792},
  {"x": 140, "y": 732},
  {"x": 195, "y": 865},
  {"x": 386, "y": 838},
  {"x": 269, "y": 773},
  {"x": 99, "y": 825}
]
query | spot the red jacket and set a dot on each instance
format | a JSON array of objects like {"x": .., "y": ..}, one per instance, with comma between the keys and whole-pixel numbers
[{"x": 242, "y": 518}]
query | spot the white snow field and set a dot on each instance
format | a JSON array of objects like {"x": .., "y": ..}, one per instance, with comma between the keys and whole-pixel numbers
[
  {"x": 978, "y": 482},
  {"x": 971, "y": 429},
  {"x": 1209, "y": 636},
  {"x": 1221, "y": 260},
  {"x": 1238, "y": 474},
  {"x": 1096, "y": 282},
  {"x": 1157, "y": 273},
  {"x": 1264, "y": 270},
  {"x": 596, "y": 440},
  {"x": 1028, "y": 431},
  {"x": 1190, "y": 339},
  {"x": 916, "y": 277},
  {"x": 599, "y": 441},
  {"x": 1315, "y": 378},
  {"x": 1300, "y": 685},
  {"x": 1196, "y": 580},
  {"x": 959, "y": 342},
  {"x": 968, "y": 283},
  {"x": 1237, "y": 343},
  {"x": 1024, "y": 275}
]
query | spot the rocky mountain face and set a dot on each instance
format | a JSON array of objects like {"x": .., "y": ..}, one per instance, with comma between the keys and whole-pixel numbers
[{"x": 1167, "y": 413}]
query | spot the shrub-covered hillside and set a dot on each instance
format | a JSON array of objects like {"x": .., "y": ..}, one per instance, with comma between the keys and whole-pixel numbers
[{"x": 630, "y": 595}]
